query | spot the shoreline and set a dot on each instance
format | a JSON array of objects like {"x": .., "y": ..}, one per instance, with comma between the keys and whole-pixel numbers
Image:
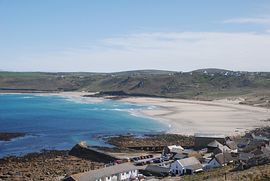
[{"x": 186, "y": 117}]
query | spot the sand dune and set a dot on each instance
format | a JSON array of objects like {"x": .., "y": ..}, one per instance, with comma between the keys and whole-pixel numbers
[{"x": 189, "y": 116}]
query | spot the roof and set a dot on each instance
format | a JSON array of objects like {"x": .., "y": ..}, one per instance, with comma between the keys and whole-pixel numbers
[
  {"x": 257, "y": 152},
  {"x": 223, "y": 158},
  {"x": 245, "y": 156},
  {"x": 175, "y": 148},
  {"x": 157, "y": 169},
  {"x": 179, "y": 156},
  {"x": 192, "y": 162},
  {"x": 196, "y": 166},
  {"x": 231, "y": 144},
  {"x": 187, "y": 151},
  {"x": 221, "y": 149},
  {"x": 209, "y": 135},
  {"x": 259, "y": 137},
  {"x": 215, "y": 144},
  {"x": 207, "y": 155},
  {"x": 107, "y": 171}
]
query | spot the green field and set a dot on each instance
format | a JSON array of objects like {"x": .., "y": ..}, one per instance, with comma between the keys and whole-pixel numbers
[{"x": 204, "y": 84}]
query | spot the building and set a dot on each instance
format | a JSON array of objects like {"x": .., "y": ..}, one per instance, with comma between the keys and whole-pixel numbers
[
  {"x": 157, "y": 170},
  {"x": 179, "y": 156},
  {"x": 186, "y": 166},
  {"x": 125, "y": 171},
  {"x": 220, "y": 160},
  {"x": 213, "y": 145},
  {"x": 222, "y": 149},
  {"x": 173, "y": 149},
  {"x": 245, "y": 156},
  {"x": 232, "y": 145},
  {"x": 202, "y": 140}
]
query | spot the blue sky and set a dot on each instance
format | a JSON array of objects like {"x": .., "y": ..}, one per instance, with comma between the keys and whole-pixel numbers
[{"x": 107, "y": 36}]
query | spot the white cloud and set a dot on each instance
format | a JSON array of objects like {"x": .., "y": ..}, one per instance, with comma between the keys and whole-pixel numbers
[
  {"x": 182, "y": 51},
  {"x": 248, "y": 21}
]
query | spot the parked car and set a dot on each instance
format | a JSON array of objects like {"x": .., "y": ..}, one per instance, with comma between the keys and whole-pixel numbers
[{"x": 157, "y": 160}]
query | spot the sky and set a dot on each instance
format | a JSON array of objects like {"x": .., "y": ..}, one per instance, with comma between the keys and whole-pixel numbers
[{"x": 120, "y": 35}]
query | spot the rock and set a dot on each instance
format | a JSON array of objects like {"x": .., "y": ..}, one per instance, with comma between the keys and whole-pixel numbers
[
  {"x": 28, "y": 175},
  {"x": 4, "y": 176}
]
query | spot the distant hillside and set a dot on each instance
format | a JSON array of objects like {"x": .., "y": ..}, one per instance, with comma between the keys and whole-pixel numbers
[{"x": 199, "y": 84}]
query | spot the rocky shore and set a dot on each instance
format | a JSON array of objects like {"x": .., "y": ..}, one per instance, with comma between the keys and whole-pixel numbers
[
  {"x": 151, "y": 140},
  {"x": 47, "y": 166}
]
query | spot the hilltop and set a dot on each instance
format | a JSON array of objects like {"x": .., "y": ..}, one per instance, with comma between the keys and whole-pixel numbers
[{"x": 205, "y": 84}]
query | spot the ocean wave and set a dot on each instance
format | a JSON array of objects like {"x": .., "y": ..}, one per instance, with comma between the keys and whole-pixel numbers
[
  {"x": 84, "y": 100},
  {"x": 26, "y": 97},
  {"x": 151, "y": 107},
  {"x": 109, "y": 109}
]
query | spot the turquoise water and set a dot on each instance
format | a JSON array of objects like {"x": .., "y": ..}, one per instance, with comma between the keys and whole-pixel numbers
[{"x": 53, "y": 122}]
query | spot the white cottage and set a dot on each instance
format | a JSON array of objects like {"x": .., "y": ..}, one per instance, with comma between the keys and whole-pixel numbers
[
  {"x": 125, "y": 171},
  {"x": 220, "y": 160},
  {"x": 186, "y": 166}
]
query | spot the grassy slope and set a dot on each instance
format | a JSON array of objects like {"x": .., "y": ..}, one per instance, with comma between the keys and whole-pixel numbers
[
  {"x": 257, "y": 173},
  {"x": 160, "y": 83}
]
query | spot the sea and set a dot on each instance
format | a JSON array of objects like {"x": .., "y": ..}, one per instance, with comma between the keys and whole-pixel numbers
[{"x": 58, "y": 123}]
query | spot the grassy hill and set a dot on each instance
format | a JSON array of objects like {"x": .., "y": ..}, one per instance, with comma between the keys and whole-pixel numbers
[{"x": 199, "y": 84}]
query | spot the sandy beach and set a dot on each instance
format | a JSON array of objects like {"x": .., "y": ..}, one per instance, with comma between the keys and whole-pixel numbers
[{"x": 189, "y": 116}]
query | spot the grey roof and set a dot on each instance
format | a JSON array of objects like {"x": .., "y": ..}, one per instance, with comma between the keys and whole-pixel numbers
[
  {"x": 231, "y": 144},
  {"x": 217, "y": 151},
  {"x": 223, "y": 158},
  {"x": 107, "y": 171},
  {"x": 191, "y": 162},
  {"x": 179, "y": 156},
  {"x": 257, "y": 152},
  {"x": 245, "y": 156},
  {"x": 157, "y": 169},
  {"x": 209, "y": 135},
  {"x": 222, "y": 149},
  {"x": 197, "y": 166},
  {"x": 266, "y": 151},
  {"x": 215, "y": 144}
]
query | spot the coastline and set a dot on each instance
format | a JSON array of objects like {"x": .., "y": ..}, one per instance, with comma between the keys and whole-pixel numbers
[{"x": 187, "y": 117}]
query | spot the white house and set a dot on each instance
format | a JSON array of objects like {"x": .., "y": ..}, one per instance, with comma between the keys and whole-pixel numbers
[
  {"x": 118, "y": 172},
  {"x": 219, "y": 160},
  {"x": 186, "y": 166}
]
